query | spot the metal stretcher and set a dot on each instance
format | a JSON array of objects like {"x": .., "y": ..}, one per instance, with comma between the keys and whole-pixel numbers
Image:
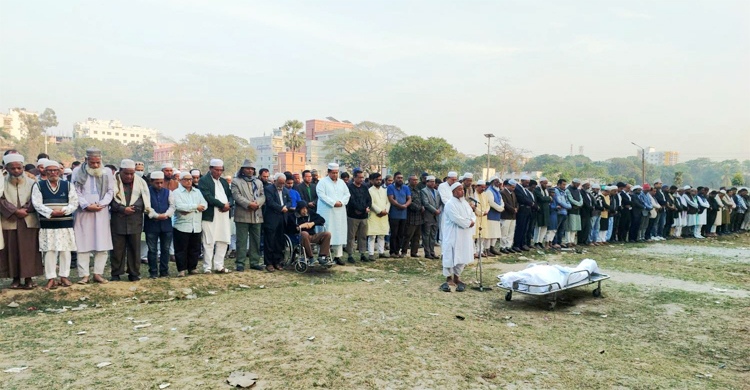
[{"x": 554, "y": 288}]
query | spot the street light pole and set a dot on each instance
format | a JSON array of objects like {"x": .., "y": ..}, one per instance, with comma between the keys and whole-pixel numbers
[
  {"x": 643, "y": 161},
  {"x": 487, "y": 175}
]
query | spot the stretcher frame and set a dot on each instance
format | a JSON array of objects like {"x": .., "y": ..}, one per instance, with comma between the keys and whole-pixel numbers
[{"x": 590, "y": 279}]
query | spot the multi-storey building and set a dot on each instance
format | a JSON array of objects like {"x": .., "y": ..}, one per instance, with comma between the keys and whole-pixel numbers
[
  {"x": 12, "y": 123},
  {"x": 659, "y": 158},
  {"x": 113, "y": 129}
]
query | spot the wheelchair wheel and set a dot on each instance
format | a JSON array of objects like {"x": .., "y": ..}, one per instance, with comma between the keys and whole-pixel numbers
[
  {"x": 289, "y": 253},
  {"x": 300, "y": 266}
]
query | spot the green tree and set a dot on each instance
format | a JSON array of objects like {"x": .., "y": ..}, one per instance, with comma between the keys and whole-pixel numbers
[
  {"x": 295, "y": 136},
  {"x": 677, "y": 179},
  {"x": 196, "y": 151},
  {"x": 415, "y": 154},
  {"x": 142, "y": 151},
  {"x": 34, "y": 128},
  {"x": 357, "y": 148},
  {"x": 511, "y": 159},
  {"x": 738, "y": 179}
]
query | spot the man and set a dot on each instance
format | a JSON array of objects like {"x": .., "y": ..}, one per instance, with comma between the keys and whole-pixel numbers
[
  {"x": 585, "y": 213},
  {"x": 494, "y": 223},
  {"x": 132, "y": 199},
  {"x": 307, "y": 190},
  {"x": 508, "y": 216},
  {"x": 264, "y": 175},
  {"x": 625, "y": 201},
  {"x": 95, "y": 187},
  {"x": 433, "y": 205},
  {"x": 541, "y": 194},
  {"x": 444, "y": 189},
  {"x": 41, "y": 161},
  {"x": 743, "y": 216},
  {"x": 596, "y": 215},
  {"x": 422, "y": 181},
  {"x": 249, "y": 198},
  {"x": 525, "y": 206},
  {"x": 672, "y": 211},
  {"x": 21, "y": 258},
  {"x": 55, "y": 201},
  {"x": 196, "y": 177},
  {"x": 563, "y": 208},
  {"x": 377, "y": 220},
  {"x": 388, "y": 180},
  {"x": 345, "y": 177},
  {"x": 297, "y": 181},
  {"x": 573, "y": 194},
  {"x": 414, "y": 219},
  {"x": 168, "y": 170},
  {"x": 738, "y": 215},
  {"x": 158, "y": 226},
  {"x": 303, "y": 222},
  {"x": 481, "y": 209},
  {"x": 216, "y": 226},
  {"x": 274, "y": 216},
  {"x": 636, "y": 214},
  {"x": 140, "y": 168},
  {"x": 661, "y": 218},
  {"x": 333, "y": 196},
  {"x": 399, "y": 196},
  {"x": 457, "y": 247},
  {"x": 189, "y": 206},
  {"x": 294, "y": 195},
  {"x": 467, "y": 181},
  {"x": 314, "y": 176},
  {"x": 357, "y": 212}
]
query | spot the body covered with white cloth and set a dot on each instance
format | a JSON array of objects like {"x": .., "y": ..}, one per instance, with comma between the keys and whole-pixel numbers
[{"x": 546, "y": 276}]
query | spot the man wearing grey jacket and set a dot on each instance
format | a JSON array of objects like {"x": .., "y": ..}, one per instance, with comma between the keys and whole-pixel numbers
[
  {"x": 249, "y": 197},
  {"x": 432, "y": 205}
]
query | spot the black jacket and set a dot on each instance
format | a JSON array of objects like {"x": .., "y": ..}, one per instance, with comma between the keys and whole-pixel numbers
[
  {"x": 311, "y": 197},
  {"x": 273, "y": 217},
  {"x": 359, "y": 201},
  {"x": 293, "y": 220},
  {"x": 524, "y": 199}
]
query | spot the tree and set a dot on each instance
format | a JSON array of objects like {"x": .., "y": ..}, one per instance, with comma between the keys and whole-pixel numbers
[
  {"x": 142, "y": 151},
  {"x": 389, "y": 135},
  {"x": 512, "y": 159},
  {"x": 357, "y": 148},
  {"x": 196, "y": 151},
  {"x": 295, "y": 137},
  {"x": 35, "y": 128},
  {"x": 738, "y": 179},
  {"x": 415, "y": 154}
]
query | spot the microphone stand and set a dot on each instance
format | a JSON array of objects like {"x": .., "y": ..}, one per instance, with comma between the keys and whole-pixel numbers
[{"x": 481, "y": 287}]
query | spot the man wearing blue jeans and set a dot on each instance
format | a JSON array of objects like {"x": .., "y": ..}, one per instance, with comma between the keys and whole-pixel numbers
[
  {"x": 563, "y": 205},
  {"x": 158, "y": 226}
]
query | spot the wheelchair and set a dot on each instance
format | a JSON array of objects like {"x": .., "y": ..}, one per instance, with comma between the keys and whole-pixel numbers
[{"x": 294, "y": 254}]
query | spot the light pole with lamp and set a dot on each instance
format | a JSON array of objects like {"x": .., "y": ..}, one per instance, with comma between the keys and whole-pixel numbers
[
  {"x": 643, "y": 161},
  {"x": 487, "y": 175}
]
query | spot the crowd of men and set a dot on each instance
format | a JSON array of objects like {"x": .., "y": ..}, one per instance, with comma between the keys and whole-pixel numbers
[{"x": 54, "y": 216}]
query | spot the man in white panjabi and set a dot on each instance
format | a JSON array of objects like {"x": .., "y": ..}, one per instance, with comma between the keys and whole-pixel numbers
[
  {"x": 216, "y": 225},
  {"x": 55, "y": 201},
  {"x": 457, "y": 245},
  {"x": 333, "y": 195}
]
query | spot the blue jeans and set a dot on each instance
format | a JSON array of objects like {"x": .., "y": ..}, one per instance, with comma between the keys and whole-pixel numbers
[
  {"x": 156, "y": 241},
  {"x": 594, "y": 235},
  {"x": 561, "y": 223},
  {"x": 609, "y": 229},
  {"x": 661, "y": 221}
]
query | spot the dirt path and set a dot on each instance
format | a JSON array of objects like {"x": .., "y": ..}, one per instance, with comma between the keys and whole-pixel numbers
[
  {"x": 643, "y": 280},
  {"x": 741, "y": 254}
]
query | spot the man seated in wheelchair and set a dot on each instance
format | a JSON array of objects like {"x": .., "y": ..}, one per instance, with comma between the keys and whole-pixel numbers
[{"x": 302, "y": 222}]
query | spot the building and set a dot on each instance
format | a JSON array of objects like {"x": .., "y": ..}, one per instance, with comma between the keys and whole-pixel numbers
[
  {"x": 12, "y": 124},
  {"x": 113, "y": 130},
  {"x": 317, "y": 132},
  {"x": 163, "y": 153},
  {"x": 267, "y": 148},
  {"x": 659, "y": 158}
]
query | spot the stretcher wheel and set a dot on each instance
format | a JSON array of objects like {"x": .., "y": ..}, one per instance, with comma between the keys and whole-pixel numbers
[
  {"x": 300, "y": 267},
  {"x": 551, "y": 305},
  {"x": 508, "y": 296},
  {"x": 597, "y": 292}
]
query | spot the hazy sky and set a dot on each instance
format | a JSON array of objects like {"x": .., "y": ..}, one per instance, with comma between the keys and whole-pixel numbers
[{"x": 671, "y": 74}]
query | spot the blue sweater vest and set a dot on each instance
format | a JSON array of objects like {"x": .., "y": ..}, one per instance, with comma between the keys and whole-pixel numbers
[{"x": 55, "y": 200}]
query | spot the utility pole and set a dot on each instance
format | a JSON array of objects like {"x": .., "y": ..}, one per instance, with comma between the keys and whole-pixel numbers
[
  {"x": 643, "y": 161},
  {"x": 487, "y": 175}
]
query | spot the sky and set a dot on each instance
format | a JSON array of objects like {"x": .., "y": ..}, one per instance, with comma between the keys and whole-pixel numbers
[{"x": 674, "y": 75}]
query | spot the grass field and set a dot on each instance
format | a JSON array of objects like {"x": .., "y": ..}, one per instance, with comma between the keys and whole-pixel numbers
[{"x": 664, "y": 322}]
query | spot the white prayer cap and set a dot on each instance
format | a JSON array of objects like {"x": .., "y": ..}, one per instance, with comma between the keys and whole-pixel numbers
[
  {"x": 50, "y": 163},
  {"x": 176, "y": 174},
  {"x": 167, "y": 165},
  {"x": 430, "y": 178},
  {"x": 468, "y": 175},
  {"x": 635, "y": 188},
  {"x": 140, "y": 163},
  {"x": 687, "y": 187},
  {"x": 215, "y": 162},
  {"x": 481, "y": 183},
  {"x": 723, "y": 192},
  {"x": 333, "y": 166},
  {"x": 525, "y": 177},
  {"x": 67, "y": 171},
  {"x": 195, "y": 172},
  {"x": 461, "y": 178},
  {"x": 186, "y": 174},
  {"x": 43, "y": 162},
  {"x": 585, "y": 181},
  {"x": 127, "y": 164},
  {"x": 512, "y": 182},
  {"x": 452, "y": 174},
  {"x": 576, "y": 181},
  {"x": 657, "y": 181},
  {"x": 156, "y": 175},
  {"x": 455, "y": 185},
  {"x": 15, "y": 157},
  {"x": 543, "y": 179},
  {"x": 277, "y": 175}
]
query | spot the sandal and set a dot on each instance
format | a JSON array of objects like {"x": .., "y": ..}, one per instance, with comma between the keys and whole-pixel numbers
[
  {"x": 65, "y": 282},
  {"x": 269, "y": 268},
  {"x": 16, "y": 286},
  {"x": 28, "y": 287},
  {"x": 445, "y": 287},
  {"x": 461, "y": 287}
]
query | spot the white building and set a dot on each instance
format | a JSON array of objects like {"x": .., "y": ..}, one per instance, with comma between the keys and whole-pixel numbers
[
  {"x": 12, "y": 124},
  {"x": 113, "y": 129},
  {"x": 267, "y": 148},
  {"x": 660, "y": 158}
]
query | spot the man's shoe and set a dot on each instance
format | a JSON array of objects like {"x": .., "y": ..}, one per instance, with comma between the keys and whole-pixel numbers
[
  {"x": 133, "y": 278},
  {"x": 310, "y": 261},
  {"x": 363, "y": 258},
  {"x": 383, "y": 256},
  {"x": 495, "y": 251},
  {"x": 371, "y": 258},
  {"x": 460, "y": 287},
  {"x": 350, "y": 260},
  {"x": 239, "y": 268},
  {"x": 525, "y": 248},
  {"x": 115, "y": 278},
  {"x": 232, "y": 254},
  {"x": 153, "y": 276},
  {"x": 257, "y": 267},
  {"x": 338, "y": 261},
  {"x": 516, "y": 250}
]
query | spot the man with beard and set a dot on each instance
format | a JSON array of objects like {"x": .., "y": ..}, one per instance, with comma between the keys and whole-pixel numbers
[
  {"x": 158, "y": 226},
  {"x": 333, "y": 196},
  {"x": 131, "y": 200},
  {"x": 168, "y": 170},
  {"x": 457, "y": 244},
  {"x": 216, "y": 226},
  {"x": 377, "y": 220},
  {"x": 274, "y": 215},
  {"x": 433, "y": 204},
  {"x": 249, "y": 197},
  {"x": 573, "y": 194},
  {"x": 140, "y": 168},
  {"x": 21, "y": 258},
  {"x": 95, "y": 187},
  {"x": 55, "y": 201},
  {"x": 264, "y": 175}
]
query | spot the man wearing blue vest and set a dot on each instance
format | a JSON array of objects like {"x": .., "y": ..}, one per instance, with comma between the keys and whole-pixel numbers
[
  {"x": 158, "y": 226},
  {"x": 55, "y": 201}
]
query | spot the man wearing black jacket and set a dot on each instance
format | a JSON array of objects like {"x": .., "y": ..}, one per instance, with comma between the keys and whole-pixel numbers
[
  {"x": 357, "y": 211},
  {"x": 586, "y": 210},
  {"x": 274, "y": 213},
  {"x": 525, "y": 205},
  {"x": 625, "y": 201},
  {"x": 661, "y": 214},
  {"x": 303, "y": 222},
  {"x": 636, "y": 214},
  {"x": 307, "y": 190}
]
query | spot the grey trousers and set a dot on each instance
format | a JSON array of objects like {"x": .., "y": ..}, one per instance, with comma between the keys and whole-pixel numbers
[
  {"x": 429, "y": 232},
  {"x": 357, "y": 229}
]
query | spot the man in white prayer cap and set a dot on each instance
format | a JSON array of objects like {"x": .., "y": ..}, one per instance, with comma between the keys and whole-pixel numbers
[
  {"x": 333, "y": 196},
  {"x": 140, "y": 168},
  {"x": 468, "y": 188},
  {"x": 433, "y": 205},
  {"x": 216, "y": 226},
  {"x": 457, "y": 244},
  {"x": 171, "y": 182},
  {"x": 40, "y": 164},
  {"x": 444, "y": 189},
  {"x": 55, "y": 201},
  {"x": 21, "y": 258},
  {"x": 95, "y": 187},
  {"x": 132, "y": 199}
]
